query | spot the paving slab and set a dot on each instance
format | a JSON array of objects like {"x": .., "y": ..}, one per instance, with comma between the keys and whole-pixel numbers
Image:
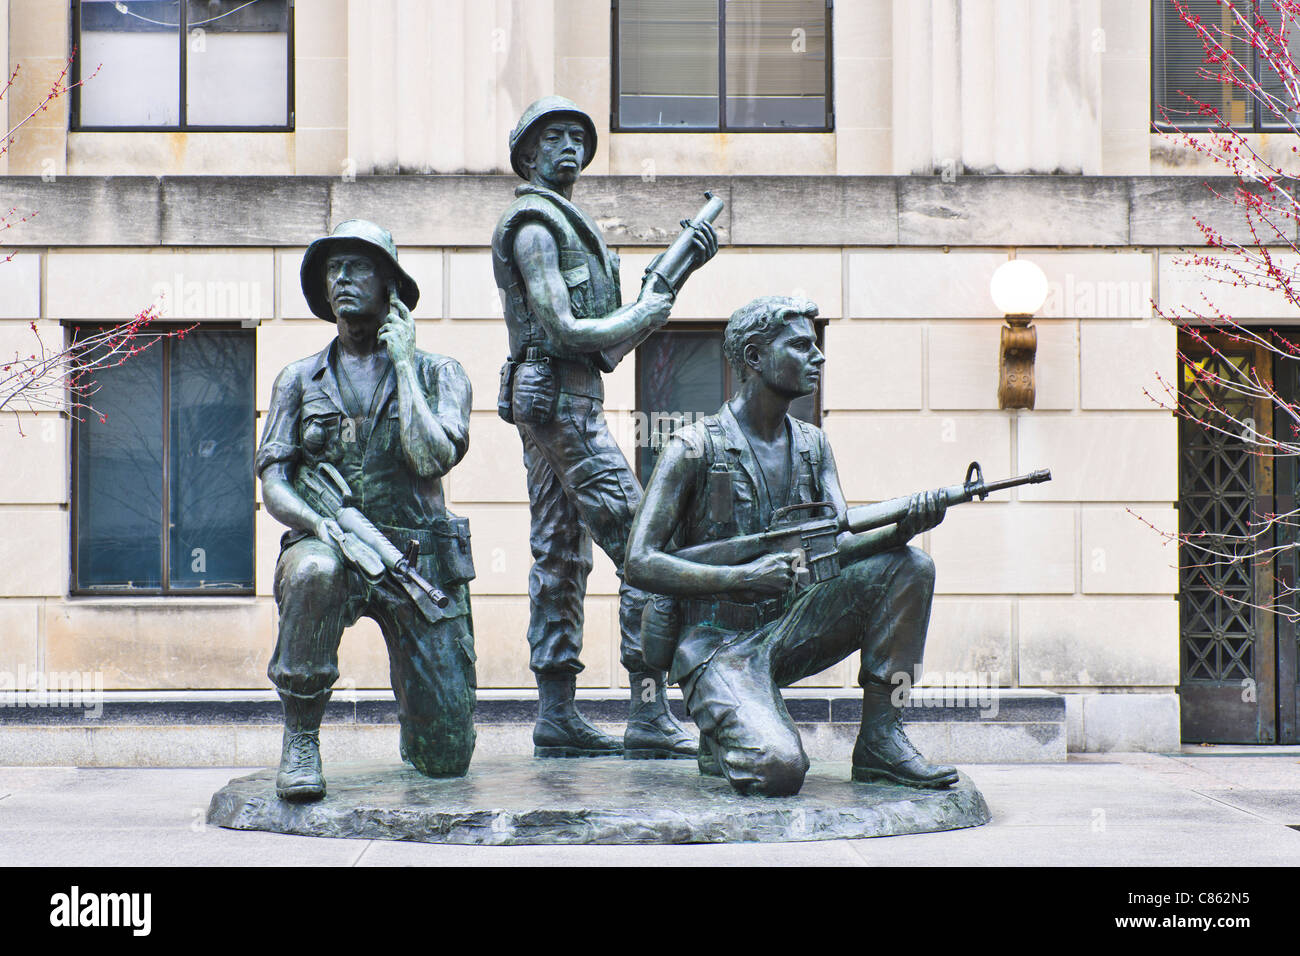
[
  {"x": 1181, "y": 809},
  {"x": 1078, "y": 844},
  {"x": 1272, "y": 805}
]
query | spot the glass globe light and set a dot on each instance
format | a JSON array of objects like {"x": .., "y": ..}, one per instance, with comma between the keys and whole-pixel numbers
[{"x": 1018, "y": 287}]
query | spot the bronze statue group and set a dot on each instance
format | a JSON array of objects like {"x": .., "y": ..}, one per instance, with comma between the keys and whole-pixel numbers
[{"x": 358, "y": 437}]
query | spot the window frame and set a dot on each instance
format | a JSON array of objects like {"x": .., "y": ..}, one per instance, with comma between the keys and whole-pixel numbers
[
  {"x": 1195, "y": 124},
  {"x": 721, "y": 126},
  {"x": 74, "y": 108},
  {"x": 75, "y": 588},
  {"x": 706, "y": 327}
]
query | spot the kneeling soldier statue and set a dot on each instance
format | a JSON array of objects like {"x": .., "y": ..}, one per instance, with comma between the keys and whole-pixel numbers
[
  {"x": 357, "y": 440},
  {"x": 735, "y": 633}
]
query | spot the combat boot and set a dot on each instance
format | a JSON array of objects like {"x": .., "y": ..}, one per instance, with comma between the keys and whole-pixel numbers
[
  {"x": 653, "y": 732},
  {"x": 300, "y": 778},
  {"x": 561, "y": 731},
  {"x": 707, "y": 760},
  {"x": 883, "y": 752}
]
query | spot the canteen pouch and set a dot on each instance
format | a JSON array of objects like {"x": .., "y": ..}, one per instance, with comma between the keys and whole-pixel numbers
[
  {"x": 535, "y": 392},
  {"x": 454, "y": 552},
  {"x": 660, "y": 631},
  {"x": 504, "y": 410}
]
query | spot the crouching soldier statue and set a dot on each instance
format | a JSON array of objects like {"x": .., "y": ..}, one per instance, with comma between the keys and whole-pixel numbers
[
  {"x": 736, "y": 634},
  {"x": 559, "y": 286},
  {"x": 357, "y": 440}
]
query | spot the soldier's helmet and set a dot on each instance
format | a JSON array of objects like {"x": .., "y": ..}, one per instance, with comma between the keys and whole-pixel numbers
[
  {"x": 351, "y": 233},
  {"x": 547, "y": 108}
]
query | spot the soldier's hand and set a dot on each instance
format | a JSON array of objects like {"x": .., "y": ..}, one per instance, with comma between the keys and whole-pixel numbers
[
  {"x": 705, "y": 241},
  {"x": 772, "y": 574},
  {"x": 657, "y": 304},
  {"x": 328, "y": 530},
  {"x": 398, "y": 331},
  {"x": 924, "y": 511}
]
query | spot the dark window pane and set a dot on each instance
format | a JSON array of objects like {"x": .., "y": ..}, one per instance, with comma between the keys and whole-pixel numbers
[
  {"x": 668, "y": 63},
  {"x": 119, "y": 477},
  {"x": 686, "y": 112},
  {"x": 237, "y": 69},
  {"x": 138, "y": 45},
  {"x": 682, "y": 377},
  {"x": 1269, "y": 77},
  {"x": 776, "y": 63},
  {"x": 683, "y": 374},
  {"x": 211, "y": 487},
  {"x": 1179, "y": 57}
]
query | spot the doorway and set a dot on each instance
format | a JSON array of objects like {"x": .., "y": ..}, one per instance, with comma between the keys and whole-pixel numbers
[{"x": 1237, "y": 644}]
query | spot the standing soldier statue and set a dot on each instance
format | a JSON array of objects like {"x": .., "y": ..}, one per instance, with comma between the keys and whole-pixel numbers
[
  {"x": 559, "y": 286},
  {"x": 357, "y": 440}
]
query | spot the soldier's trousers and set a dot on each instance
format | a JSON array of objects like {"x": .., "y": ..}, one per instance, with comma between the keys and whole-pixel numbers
[
  {"x": 879, "y": 605},
  {"x": 580, "y": 487},
  {"x": 431, "y": 665}
]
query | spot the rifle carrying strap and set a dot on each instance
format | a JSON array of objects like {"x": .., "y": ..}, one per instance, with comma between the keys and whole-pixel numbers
[
  {"x": 810, "y": 439},
  {"x": 718, "y": 475}
]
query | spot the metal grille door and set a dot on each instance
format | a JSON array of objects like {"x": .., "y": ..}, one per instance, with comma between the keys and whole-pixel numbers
[{"x": 1228, "y": 639}]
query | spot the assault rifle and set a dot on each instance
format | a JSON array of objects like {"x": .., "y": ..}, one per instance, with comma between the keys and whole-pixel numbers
[
  {"x": 816, "y": 537},
  {"x": 365, "y": 547}
]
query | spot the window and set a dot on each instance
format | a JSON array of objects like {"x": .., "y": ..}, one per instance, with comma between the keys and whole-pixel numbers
[
  {"x": 1177, "y": 56},
  {"x": 722, "y": 65},
  {"x": 183, "y": 64},
  {"x": 683, "y": 374},
  {"x": 163, "y": 488}
]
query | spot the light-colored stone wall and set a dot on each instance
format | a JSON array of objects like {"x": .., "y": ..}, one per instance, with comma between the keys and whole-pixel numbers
[
  {"x": 1058, "y": 586},
  {"x": 1055, "y": 586},
  {"x": 39, "y": 43},
  {"x": 436, "y": 85},
  {"x": 4, "y": 104},
  {"x": 1124, "y": 49},
  {"x": 38, "y": 47},
  {"x": 997, "y": 86}
]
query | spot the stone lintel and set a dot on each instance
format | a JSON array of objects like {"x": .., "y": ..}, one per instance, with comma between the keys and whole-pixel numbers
[{"x": 460, "y": 210}]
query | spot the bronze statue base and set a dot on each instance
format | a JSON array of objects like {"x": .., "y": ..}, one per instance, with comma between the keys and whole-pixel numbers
[{"x": 517, "y": 800}]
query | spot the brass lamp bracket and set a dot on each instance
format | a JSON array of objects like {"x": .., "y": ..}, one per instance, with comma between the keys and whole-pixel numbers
[{"x": 1016, "y": 363}]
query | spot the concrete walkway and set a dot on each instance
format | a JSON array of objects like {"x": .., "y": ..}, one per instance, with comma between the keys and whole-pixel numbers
[{"x": 1206, "y": 806}]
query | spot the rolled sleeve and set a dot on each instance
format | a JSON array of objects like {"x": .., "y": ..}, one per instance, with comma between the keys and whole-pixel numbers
[
  {"x": 280, "y": 436},
  {"x": 450, "y": 398}
]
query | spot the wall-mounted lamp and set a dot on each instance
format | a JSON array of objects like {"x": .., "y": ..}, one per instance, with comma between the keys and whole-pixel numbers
[{"x": 1019, "y": 289}]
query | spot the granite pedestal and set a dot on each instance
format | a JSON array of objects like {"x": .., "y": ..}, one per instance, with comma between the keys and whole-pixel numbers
[{"x": 523, "y": 800}]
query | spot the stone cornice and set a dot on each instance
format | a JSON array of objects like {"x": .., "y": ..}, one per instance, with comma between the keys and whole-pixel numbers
[{"x": 225, "y": 211}]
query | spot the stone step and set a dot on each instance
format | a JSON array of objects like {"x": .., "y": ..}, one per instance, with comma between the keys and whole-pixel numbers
[{"x": 242, "y": 728}]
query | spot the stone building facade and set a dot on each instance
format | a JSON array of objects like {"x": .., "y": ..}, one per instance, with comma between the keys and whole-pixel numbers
[{"x": 964, "y": 134}]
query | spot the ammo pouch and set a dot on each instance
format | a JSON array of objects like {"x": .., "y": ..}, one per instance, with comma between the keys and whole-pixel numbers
[
  {"x": 535, "y": 391},
  {"x": 660, "y": 631},
  {"x": 446, "y": 541},
  {"x": 504, "y": 410}
]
